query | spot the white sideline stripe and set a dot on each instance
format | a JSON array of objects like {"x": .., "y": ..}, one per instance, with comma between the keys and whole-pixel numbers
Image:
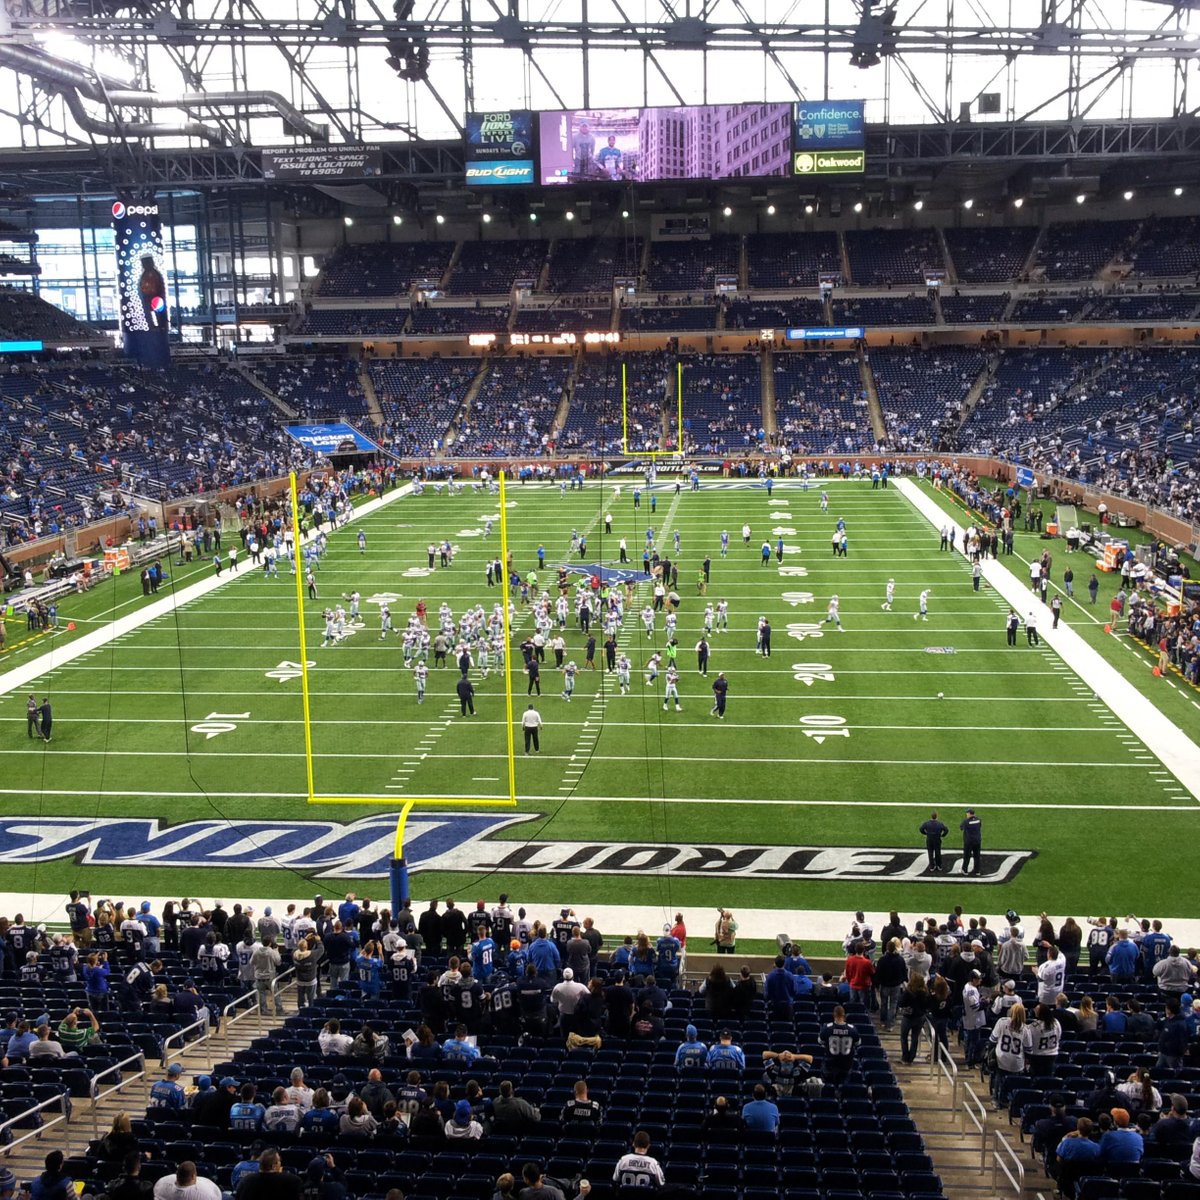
[
  {"x": 711, "y": 801},
  {"x": 19, "y": 677},
  {"x": 1172, "y": 746}
]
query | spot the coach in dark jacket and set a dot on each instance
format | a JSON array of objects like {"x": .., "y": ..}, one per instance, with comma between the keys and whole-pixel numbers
[{"x": 466, "y": 695}]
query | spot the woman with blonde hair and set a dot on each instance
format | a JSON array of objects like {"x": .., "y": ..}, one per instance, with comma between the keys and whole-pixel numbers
[
  {"x": 1087, "y": 1016},
  {"x": 1011, "y": 1039}
]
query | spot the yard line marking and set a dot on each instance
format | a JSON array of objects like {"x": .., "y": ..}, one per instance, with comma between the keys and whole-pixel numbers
[
  {"x": 1169, "y": 743},
  {"x": 59, "y": 656}
]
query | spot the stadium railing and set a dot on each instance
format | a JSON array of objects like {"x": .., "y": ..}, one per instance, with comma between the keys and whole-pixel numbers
[
  {"x": 248, "y": 1002},
  {"x": 118, "y": 1071},
  {"x": 64, "y": 1118},
  {"x": 1004, "y": 1159},
  {"x": 180, "y": 1036},
  {"x": 942, "y": 1067},
  {"x": 973, "y": 1113}
]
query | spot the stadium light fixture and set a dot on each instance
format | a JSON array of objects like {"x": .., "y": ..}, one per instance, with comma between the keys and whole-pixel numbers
[
  {"x": 347, "y": 221},
  {"x": 968, "y": 203},
  {"x": 1129, "y": 195},
  {"x": 569, "y": 215},
  {"x": 770, "y": 210},
  {"x": 533, "y": 216},
  {"x": 625, "y": 214},
  {"x": 1019, "y": 202},
  {"x": 1080, "y": 198},
  {"x": 918, "y": 205},
  {"x": 808, "y": 210},
  {"x": 727, "y": 211},
  {"x": 397, "y": 219},
  {"x": 487, "y": 218},
  {"x": 1179, "y": 191},
  {"x": 440, "y": 219},
  {"x": 858, "y": 206}
]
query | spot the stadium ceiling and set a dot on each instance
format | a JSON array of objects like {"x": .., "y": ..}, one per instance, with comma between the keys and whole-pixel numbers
[{"x": 187, "y": 91}]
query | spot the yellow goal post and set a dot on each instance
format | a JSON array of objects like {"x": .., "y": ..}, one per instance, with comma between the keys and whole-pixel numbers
[{"x": 398, "y": 868}]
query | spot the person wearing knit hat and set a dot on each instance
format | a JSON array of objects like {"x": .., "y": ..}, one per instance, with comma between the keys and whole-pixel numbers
[
  {"x": 1121, "y": 1144},
  {"x": 691, "y": 1052},
  {"x": 463, "y": 1126}
]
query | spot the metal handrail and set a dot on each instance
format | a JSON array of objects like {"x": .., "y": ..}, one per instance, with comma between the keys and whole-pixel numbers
[
  {"x": 179, "y": 1035},
  {"x": 1001, "y": 1151},
  {"x": 973, "y": 1110},
  {"x": 122, "y": 1083},
  {"x": 64, "y": 1100},
  {"x": 228, "y": 1019},
  {"x": 944, "y": 1063}
]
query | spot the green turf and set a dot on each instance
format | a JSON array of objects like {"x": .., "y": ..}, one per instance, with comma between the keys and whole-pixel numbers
[{"x": 1014, "y": 727}]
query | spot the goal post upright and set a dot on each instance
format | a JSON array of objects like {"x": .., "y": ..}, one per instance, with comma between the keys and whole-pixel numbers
[
  {"x": 397, "y": 867},
  {"x": 653, "y": 455},
  {"x": 304, "y": 694}
]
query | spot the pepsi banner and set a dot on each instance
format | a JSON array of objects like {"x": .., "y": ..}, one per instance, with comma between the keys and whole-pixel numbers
[
  {"x": 141, "y": 280},
  {"x": 499, "y": 148},
  {"x": 336, "y": 438}
]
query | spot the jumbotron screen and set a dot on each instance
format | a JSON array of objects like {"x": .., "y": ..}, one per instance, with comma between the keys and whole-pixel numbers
[{"x": 646, "y": 145}]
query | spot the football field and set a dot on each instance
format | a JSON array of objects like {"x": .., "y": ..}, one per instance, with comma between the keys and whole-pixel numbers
[{"x": 178, "y": 749}]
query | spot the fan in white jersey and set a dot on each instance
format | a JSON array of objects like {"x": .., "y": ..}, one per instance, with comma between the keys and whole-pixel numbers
[{"x": 639, "y": 1170}]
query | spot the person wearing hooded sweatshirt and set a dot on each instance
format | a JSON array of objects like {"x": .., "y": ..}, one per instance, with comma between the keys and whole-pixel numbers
[{"x": 463, "y": 1126}]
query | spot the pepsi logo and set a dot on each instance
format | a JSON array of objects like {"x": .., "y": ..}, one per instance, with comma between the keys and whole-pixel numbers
[{"x": 118, "y": 210}]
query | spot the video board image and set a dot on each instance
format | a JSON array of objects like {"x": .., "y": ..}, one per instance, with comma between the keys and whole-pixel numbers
[{"x": 646, "y": 145}]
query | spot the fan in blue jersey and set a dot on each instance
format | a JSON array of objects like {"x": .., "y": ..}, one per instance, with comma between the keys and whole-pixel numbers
[
  {"x": 1156, "y": 945},
  {"x": 247, "y": 1114},
  {"x": 458, "y": 1049},
  {"x": 517, "y": 959},
  {"x": 779, "y": 987},
  {"x": 369, "y": 968},
  {"x": 623, "y": 953},
  {"x": 725, "y": 1056},
  {"x": 692, "y": 1052},
  {"x": 483, "y": 956},
  {"x": 167, "y": 1093},
  {"x": 796, "y": 962},
  {"x": 667, "y": 949}
]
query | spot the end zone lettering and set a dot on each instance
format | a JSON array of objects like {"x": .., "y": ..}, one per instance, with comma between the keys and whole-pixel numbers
[{"x": 454, "y": 842}]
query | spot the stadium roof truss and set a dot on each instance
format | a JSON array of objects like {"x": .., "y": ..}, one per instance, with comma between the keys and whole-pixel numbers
[{"x": 219, "y": 77}]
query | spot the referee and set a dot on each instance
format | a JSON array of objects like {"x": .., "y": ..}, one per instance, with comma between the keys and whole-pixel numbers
[{"x": 531, "y": 722}]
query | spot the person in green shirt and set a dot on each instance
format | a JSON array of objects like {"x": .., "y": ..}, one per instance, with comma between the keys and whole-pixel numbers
[
  {"x": 672, "y": 652},
  {"x": 74, "y": 1034}
]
